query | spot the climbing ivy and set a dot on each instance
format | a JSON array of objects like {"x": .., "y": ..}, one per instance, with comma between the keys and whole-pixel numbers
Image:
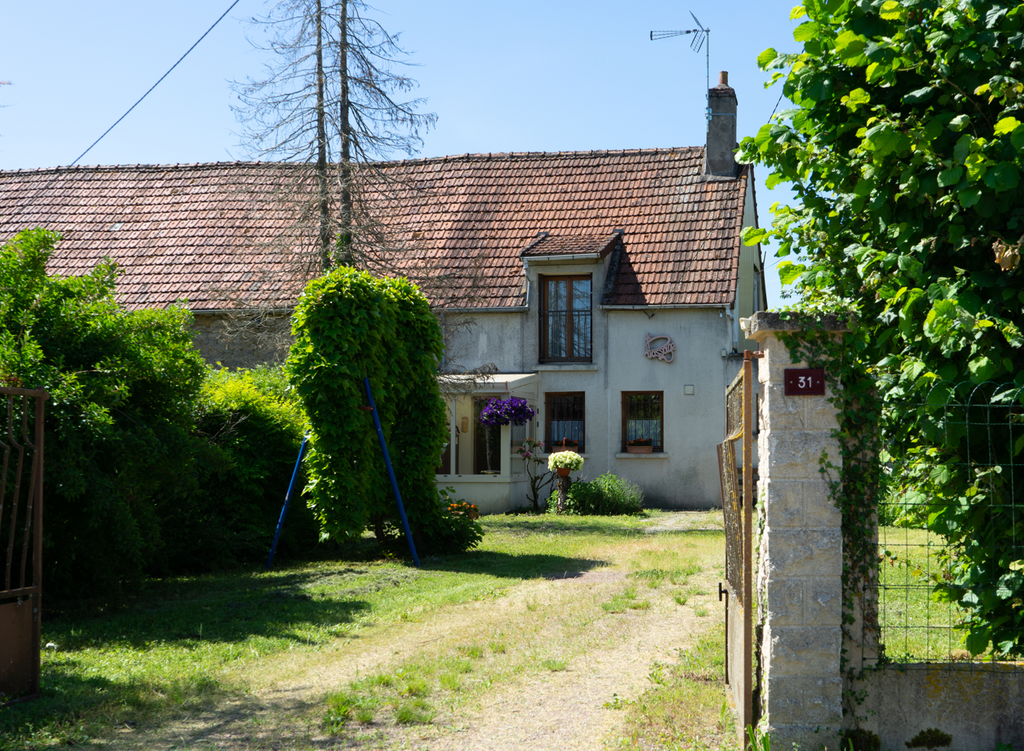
[
  {"x": 905, "y": 150},
  {"x": 349, "y": 325}
]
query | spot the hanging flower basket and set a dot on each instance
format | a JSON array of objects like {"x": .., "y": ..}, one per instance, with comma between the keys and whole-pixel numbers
[{"x": 511, "y": 411}]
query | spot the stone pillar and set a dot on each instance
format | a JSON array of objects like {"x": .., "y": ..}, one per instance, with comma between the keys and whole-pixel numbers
[{"x": 799, "y": 582}]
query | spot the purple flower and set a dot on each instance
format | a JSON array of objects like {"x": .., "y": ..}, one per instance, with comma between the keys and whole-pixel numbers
[{"x": 514, "y": 411}]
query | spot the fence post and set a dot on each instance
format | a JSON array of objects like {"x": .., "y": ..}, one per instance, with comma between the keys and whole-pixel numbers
[{"x": 799, "y": 581}]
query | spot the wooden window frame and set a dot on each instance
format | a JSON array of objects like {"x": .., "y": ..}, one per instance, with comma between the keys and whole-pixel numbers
[
  {"x": 545, "y": 333},
  {"x": 548, "y": 412},
  {"x": 657, "y": 448}
]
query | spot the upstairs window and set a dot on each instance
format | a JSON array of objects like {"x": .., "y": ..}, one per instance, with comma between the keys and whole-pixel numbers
[
  {"x": 564, "y": 424},
  {"x": 565, "y": 319},
  {"x": 643, "y": 418}
]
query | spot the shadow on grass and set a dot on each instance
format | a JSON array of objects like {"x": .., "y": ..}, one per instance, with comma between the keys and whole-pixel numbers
[
  {"x": 505, "y": 565},
  {"x": 66, "y": 697},
  {"x": 214, "y": 608},
  {"x": 530, "y": 524}
]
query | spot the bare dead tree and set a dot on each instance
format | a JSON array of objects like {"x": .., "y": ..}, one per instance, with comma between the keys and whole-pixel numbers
[{"x": 332, "y": 99}]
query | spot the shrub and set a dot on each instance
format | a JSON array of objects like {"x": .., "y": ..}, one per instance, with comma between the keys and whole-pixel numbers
[
  {"x": 249, "y": 428},
  {"x": 608, "y": 495},
  {"x": 121, "y": 386}
]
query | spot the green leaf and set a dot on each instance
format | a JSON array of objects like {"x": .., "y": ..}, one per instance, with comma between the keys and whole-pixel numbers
[
  {"x": 959, "y": 122},
  {"x": 969, "y": 197},
  {"x": 789, "y": 272},
  {"x": 766, "y": 57},
  {"x": 919, "y": 95},
  {"x": 950, "y": 176},
  {"x": 1018, "y": 446},
  {"x": 850, "y": 48},
  {"x": 891, "y": 10},
  {"x": 983, "y": 368},
  {"x": 806, "y": 31},
  {"x": 883, "y": 138},
  {"x": 856, "y": 98},
  {"x": 754, "y": 235},
  {"x": 798, "y": 12},
  {"x": 1004, "y": 176},
  {"x": 1017, "y": 139},
  {"x": 962, "y": 148},
  {"x": 1006, "y": 125}
]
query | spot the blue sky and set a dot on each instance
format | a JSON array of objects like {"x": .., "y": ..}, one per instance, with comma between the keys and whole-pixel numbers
[{"x": 554, "y": 75}]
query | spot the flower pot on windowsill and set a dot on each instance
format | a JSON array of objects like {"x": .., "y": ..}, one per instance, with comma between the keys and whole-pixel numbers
[
  {"x": 563, "y": 471},
  {"x": 639, "y": 449}
]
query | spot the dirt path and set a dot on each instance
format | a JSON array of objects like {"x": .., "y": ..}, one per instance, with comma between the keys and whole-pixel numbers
[{"x": 517, "y": 704}]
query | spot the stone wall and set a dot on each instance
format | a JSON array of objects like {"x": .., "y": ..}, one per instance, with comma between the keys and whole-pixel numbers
[
  {"x": 799, "y": 588},
  {"x": 799, "y": 583},
  {"x": 243, "y": 339}
]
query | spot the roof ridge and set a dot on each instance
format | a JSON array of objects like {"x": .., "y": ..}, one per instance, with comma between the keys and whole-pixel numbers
[{"x": 518, "y": 155}]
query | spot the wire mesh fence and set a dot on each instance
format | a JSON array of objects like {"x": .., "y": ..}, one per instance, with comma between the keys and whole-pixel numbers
[{"x": 951, "y": 527}]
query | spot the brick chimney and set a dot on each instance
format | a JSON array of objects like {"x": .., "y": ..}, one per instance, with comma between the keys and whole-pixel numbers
[{"x": 719, "y": 159}]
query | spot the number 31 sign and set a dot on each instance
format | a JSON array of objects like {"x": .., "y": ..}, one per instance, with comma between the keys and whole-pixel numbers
[{"x": 804, "y": 381}]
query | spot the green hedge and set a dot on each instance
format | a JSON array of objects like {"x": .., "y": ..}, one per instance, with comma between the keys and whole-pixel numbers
[
  {"x": 248, "y": 432},
  {"x": 154, "y": 464},
  {"x": 349, "y": 325}
]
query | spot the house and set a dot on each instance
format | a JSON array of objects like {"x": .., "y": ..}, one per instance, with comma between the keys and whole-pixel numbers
[{"x": 604, "y": 287}]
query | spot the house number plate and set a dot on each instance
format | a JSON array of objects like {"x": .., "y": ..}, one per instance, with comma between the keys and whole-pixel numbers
[{"x": 804, "y": 382}]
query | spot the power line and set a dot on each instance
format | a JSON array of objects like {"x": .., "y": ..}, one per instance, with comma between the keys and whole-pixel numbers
[{"x": 157, "y": 83}]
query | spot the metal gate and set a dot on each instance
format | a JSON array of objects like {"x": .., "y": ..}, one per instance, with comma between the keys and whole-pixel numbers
[
  {"x": 21, "y": 541},
  {"x": 737, "y": 489}
]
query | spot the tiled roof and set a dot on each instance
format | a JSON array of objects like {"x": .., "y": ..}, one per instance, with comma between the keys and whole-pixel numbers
[
  {"x": 569, "y": 245},
  {"x": 218, "y": 234}
]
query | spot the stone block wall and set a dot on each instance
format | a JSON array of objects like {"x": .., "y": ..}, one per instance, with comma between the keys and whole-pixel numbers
[
  {"x": 799, "y": 582},
  {"x": 243, "y": 340}
]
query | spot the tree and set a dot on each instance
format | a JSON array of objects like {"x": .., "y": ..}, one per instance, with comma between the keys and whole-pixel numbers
[
  {"x": 905, "y": 151},
  {"x": 331, "y": 102}
]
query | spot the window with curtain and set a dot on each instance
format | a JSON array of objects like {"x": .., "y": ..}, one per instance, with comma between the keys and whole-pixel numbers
[
  {"x": 565, "y": 318},
  {"x": 643, "y": 417},
  {"x": 564, "y": 422}
]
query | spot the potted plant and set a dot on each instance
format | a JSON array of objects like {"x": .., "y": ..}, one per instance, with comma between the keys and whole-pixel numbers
[
  {"x": 563, "y": 444},
  {"x": 640, "y": 446},
  {"x": 565, "y": 462},
  {"x": 498, "y": 412}
]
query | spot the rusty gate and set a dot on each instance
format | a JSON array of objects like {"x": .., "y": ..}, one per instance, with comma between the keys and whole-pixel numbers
[
  {"x": 737, "y": 489},
  {"x": 21, "y": 541}
]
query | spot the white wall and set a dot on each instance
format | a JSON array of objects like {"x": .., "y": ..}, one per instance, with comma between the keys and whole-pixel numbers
[{"x": 686, "y": 475}]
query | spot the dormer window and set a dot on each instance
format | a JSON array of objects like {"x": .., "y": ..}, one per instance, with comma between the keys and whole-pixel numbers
[{"x": 565, "y": 319}]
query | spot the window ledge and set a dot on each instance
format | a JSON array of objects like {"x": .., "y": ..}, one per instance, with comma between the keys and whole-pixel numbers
[
  {"x": 654, "y": 455},
  {"x": 579, "y": 366}
]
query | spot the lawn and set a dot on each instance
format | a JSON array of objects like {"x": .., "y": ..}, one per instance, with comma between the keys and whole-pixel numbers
[
  {"x": 915, "y": 627},
  {"x": 190, "y": 645}
]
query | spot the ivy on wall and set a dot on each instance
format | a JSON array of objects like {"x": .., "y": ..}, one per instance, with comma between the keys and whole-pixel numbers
[{"x": 349, "y": 325}]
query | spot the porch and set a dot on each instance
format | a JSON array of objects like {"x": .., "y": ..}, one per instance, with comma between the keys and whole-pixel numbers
[{"x": 485, "y": 467}]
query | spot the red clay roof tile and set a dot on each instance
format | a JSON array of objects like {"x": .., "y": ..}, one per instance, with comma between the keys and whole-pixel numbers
[{"x": 207, "y": 231}]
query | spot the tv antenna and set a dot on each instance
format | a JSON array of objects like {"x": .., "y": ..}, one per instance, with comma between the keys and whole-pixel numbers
[{"x": 700, "y": 34}]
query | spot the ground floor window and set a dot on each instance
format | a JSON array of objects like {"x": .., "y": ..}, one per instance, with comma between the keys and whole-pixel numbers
[
  {"x": 565, "y": 422},
  {"x": 643, "y": 419}
]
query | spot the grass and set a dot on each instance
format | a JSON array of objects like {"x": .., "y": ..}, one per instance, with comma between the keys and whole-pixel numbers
[
  {"x": 914, "y": 625},
  {"x": 684, "y": 707},
  {"x": 186, "y": 644}
]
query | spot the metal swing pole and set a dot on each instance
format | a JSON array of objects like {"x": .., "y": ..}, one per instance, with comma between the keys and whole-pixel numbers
[
  {"x": 287, "y": 500},
  {"x": 391, "y": 472}
]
